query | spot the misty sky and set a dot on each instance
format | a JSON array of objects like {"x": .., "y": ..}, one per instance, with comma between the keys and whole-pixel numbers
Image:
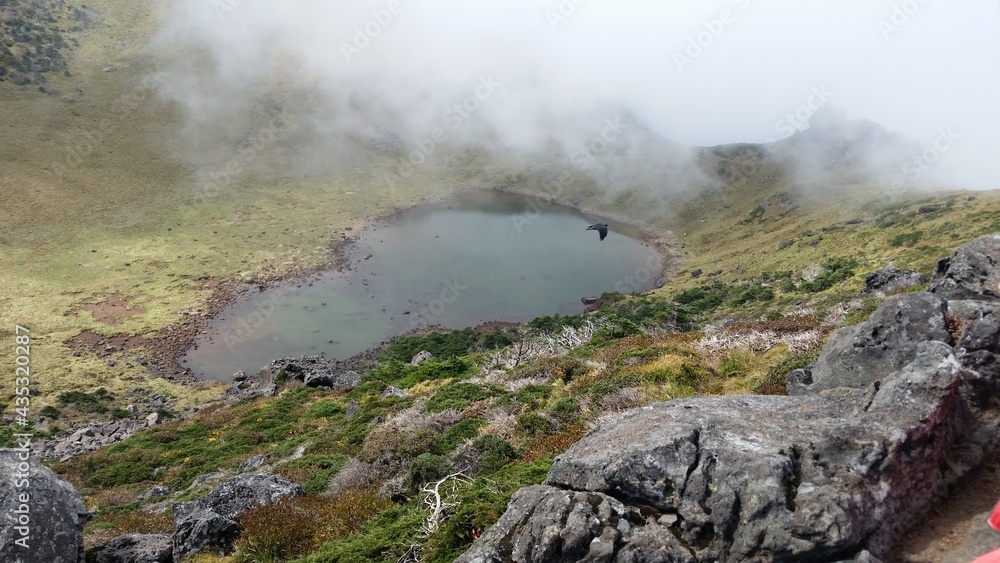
[{"x": 698, "y": 72}]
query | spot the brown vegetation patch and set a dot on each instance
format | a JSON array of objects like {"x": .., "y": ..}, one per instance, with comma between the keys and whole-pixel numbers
[
  {"x": 545, "y": 446},
  {"x": 105, "y": 345},
  {"x": 113, "y": 309},
  {"x": 296, "y": 526}
]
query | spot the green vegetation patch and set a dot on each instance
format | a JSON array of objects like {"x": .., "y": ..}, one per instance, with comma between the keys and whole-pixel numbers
[{"x": 460, "y": 395}]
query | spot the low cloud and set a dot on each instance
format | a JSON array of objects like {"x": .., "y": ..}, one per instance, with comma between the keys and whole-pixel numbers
[{"x": 401, "y": 73}]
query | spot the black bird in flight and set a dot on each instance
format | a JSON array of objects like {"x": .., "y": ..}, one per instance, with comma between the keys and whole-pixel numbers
[{"x": 600, "y": 228}]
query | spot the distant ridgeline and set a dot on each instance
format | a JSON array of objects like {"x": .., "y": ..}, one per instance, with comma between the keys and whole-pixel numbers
[{"x": 35, "y": 38}]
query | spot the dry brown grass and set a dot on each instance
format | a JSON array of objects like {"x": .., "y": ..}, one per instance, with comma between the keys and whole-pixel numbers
[
  {"x": 296, "y": 526},
  {"x": 546, "y": 446}
]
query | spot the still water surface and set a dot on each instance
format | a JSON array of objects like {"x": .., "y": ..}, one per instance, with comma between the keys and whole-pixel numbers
[{"x": 482, "y": 256}]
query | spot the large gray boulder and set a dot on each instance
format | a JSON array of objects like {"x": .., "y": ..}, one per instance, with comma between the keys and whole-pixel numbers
[
  {"x": 972, "y": 272},
  {"x": 137, "y": 548},
  {"x": 835, "y": 476},
  {"x": 43, "y": 515},
  {"x": 211, "y": 521},
  {"x": 859, "y": 354}
]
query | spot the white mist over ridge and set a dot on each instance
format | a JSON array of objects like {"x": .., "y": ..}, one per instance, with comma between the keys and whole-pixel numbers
[{"x": 698, "y": 73}]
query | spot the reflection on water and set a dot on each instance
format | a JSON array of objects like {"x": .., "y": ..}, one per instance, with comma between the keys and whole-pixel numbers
[{"x": 483, "y": 256}]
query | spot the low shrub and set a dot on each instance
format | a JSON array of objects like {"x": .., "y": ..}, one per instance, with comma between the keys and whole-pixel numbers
[
  {"x": 467, "y": 429},
  {"x": 566, "y": 410},
  {"x": 294, "y": 527},
  {"x": 441, "y": 345},
  {"x": 425, "y": 468},
  {"x": 774, "y": 382},
  {"x": 493, "y": 453},
  {"x": 835, "y": 270},
  {"x": 460, "y": 395},
  {"x": 313, "y": 472}
]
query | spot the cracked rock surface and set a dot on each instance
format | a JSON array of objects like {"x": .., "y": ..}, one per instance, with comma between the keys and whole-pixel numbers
[{"x": 894, "y": 411}]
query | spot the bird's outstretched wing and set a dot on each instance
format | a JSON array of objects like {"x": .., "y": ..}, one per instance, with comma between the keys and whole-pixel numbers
[{"x": 601, "y": 228}]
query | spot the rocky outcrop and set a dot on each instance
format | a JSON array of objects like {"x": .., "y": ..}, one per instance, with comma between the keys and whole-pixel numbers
[
  {"x": 211, "y": 521},
  {"x": 420, "y": 357},
  {"x": 43, "y": 515},
  {"x": 890, "y": 280},
  {"x": 857, "y": 355},
  {"x": 132, "y": 548},
  {"x": 894, "y": 411},
  {"x": 89, "y": 438},
  {"x": 317, "y": 371},
  {"x": 972, "y": 272}
]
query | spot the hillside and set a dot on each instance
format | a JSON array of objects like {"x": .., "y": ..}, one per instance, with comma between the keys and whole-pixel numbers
[{"x": 117, "y": 245}]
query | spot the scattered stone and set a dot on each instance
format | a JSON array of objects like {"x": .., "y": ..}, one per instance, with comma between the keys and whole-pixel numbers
[
  {"x": 200, "y": 530},
  {"x": 392, "y": 391},
  {"x": 854, "y": 221},
  {"x": 240, "y": 376},
  {"x": 891, "y": 280},
  {"x": 925, "y": 209},
  {"x": 111, "y": 68},
  {"x": 132, "y": 548},
  {"x": 155, "y": 491},
  {"x": 153, "y": 419},
  {"x": 352, "y": 407},
  {"x": 695, "y": 273},
  {"x": 343, "y": 381},
  {"x": 421, "y": 356},
  {"x": 253, "y": 463}
]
